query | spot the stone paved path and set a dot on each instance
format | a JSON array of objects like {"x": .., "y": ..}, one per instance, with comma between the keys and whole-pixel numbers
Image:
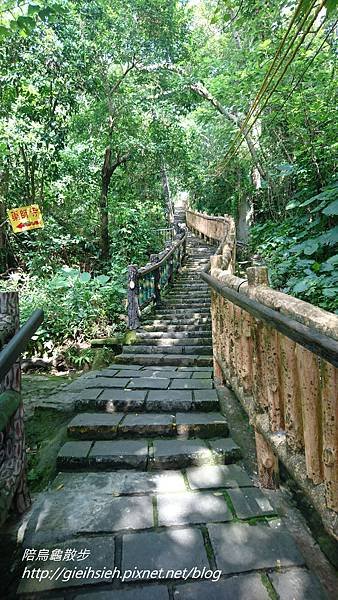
[{"x": 149, "y": 480}]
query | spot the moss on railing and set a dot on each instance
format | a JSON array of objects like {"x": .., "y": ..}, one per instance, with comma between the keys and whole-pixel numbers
[{"x": 9, "y": 402}]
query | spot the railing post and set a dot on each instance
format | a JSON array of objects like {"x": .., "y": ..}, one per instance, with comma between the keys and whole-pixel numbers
[
  {"x": 171, "y": 277},
  {"x": 267, "y": 462},
  {"x": 133, "y": 304},
  {"x": 12, "y": 441},
  {"x": 329, "y": 401},
  {"x": 308, "y": 365},
  {"x": 157, "y": 290},
  {"x": 265, "y": 385}
]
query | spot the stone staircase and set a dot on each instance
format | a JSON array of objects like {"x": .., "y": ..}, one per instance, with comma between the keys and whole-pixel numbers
[
  {"x": 179, "y": 332},
  {"x": 149, "y": 477}
]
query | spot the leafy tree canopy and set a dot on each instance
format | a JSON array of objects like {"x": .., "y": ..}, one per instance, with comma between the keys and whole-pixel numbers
[{"x": 108, "y": 109}]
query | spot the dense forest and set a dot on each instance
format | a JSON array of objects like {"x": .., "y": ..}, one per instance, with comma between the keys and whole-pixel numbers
[{"x": 110, "y": 109}]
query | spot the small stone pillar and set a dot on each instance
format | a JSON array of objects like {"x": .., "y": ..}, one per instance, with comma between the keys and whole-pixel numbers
[
  {"x": 265, "y": 388},
  {"x": 133, "y": 291}
]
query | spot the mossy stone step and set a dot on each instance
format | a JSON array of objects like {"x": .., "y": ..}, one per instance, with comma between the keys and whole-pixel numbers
[
  {"x": 101, "y": 455},
  {"x": 179, "y": 330},
  {"x": 188, "y": 292},
  {"x": 203, "y": 425},
  {"x": 187, "y": 311},
  {"x": 97, "y": 455},
  {"x": 115, "y": 400},
  {"x": 181, "y": 305},
  {"x": 167, "y": 340},
  {"x": 198, "y": 289},
  {"x": 167, "y": 349},
  {"x": 177, "y": 454},
  {"x": 167, "y": 359},
  {"x": 167, "y": 320},
  {"x": 102, "y": 426}
]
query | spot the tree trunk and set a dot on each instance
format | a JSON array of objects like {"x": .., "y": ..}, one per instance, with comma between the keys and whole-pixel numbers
[
  {"x": 3, "y": 245},
  {"x": 245, "y": 218},
  {"x": 106, "y": 174},
  {"x": 104, "y": 233},
  {"x": 167, "y": 194}
]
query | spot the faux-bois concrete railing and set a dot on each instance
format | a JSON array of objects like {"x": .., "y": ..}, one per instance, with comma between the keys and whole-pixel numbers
[{"x": 280, "y": 356}]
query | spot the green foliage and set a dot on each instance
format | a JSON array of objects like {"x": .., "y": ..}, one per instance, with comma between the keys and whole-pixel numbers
[
  {"x": 85, "y": 81},
  {"x": 302, "y": 251},
  {"x": 22, "y": 16},
  {"x": 77, "y": 306}
]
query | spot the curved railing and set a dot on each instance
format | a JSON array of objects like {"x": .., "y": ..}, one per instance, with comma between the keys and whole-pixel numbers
[
  {"x": 145, "y": 284},
  {"x": 280, "y": 356},
  {"x": 165, "y": 235},
  {"x": 219, "y": 231}
]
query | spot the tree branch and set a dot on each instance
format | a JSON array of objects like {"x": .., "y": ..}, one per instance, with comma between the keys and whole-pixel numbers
[
  {"x": 200, "y": 89},
  {"x": 123, "y": 76}
]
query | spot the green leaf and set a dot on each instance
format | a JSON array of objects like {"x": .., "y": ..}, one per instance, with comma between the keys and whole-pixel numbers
[
  {"x": 4, "y": 31},
  {"x": 331, "y": 7},
  {"x": 285, "y": 168},
  {"x": 102, "y": 279},
  {"x": 84, "y": 277},
  {"x": 331, "y": 209},
  {"x": 333, "y": 259},
  {"x": 292, "y": 204},
  {"x": 264, "y": 45},
  {"x": 14, "y": 25},
  {"x": 304, "y": 7},
  {"x": 330, "y": 292},
  {"x": 25, "y": 23},
  {"x": 330, "y": 238},
  {"x": 310, "y": 200},
  {"x": 33, "y": 9},
  {"x": 301, "y": 286},
  {"x": 310, "y": 247},
  {"x": 44, "y": 13}
]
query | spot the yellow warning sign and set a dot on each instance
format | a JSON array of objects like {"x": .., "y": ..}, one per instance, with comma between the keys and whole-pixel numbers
[{"x": 25, "y": 218}]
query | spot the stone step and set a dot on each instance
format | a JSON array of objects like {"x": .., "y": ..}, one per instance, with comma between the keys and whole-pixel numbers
[
  {"x": 169, "y": 339},
  {"x": 186, "y": 360},
  {"x": 203, "y": 324},
  {"x": 182, "y": 306},
  {"x": 187, "y": 296},
  {"x": 184, "y": 312},
  {"x": 180, "y": 289},
  {"x": 144, "y": 379},
  {"x": 102, "y": 426},
  {"x": 171, "y": 400},
  {"x": 190, "y": 269},
  {"x": 132, "y": 482},
  {"x": 143, "y": 348},
  {"x": 184, "y": 283},
  {"x": 153, "y": 333},
  {"x": 186, "y": 277},
  {"x": 184, "y": 301},
  {"x": 186, "y": 293},
  {"x": 202, "y": 320},
  {"x": 177, "y": 453},
  {"x": 198, "y": 287},
  {"x": 182, "y": 330},
  {"x": 192, "y": 278},
  {"x": 183, "y": 289}
]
